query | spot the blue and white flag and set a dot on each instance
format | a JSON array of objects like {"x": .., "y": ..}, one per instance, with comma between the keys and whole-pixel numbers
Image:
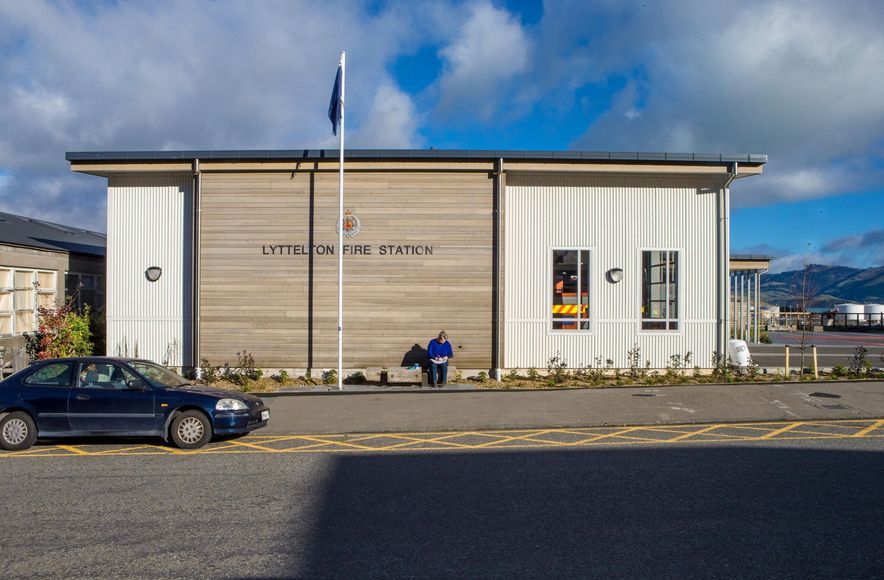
[{"x": 334, "y": 106}]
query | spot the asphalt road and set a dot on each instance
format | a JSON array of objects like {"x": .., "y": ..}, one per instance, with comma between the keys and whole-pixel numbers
[{"x": 782, "y": 509}]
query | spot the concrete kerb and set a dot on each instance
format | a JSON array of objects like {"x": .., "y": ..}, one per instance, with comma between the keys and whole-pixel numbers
[{"x": 333, "y": 391}]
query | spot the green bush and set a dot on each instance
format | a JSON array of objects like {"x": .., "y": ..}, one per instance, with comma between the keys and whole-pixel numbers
[
  {"x": 330, "y": 377},
  {"x": 208, "y": 374},
  {"x": 556, "y": 369},
  {"x": 839, "y": 370},
  {"x": 61, "y": 332}
]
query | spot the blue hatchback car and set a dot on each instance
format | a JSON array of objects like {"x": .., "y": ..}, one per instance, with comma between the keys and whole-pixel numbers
[{"x": 102, "y": 396}]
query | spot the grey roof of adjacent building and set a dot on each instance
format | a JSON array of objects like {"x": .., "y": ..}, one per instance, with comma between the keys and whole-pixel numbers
[
  {"x": 423, "y": 154},
  {"x": 18, "y": 230}
]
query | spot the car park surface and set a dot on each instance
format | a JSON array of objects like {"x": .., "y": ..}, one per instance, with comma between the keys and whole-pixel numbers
[{"x": 101, "y": 396}]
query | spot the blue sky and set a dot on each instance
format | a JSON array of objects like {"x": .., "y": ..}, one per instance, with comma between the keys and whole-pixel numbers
[{"x": 799, "y": 80}]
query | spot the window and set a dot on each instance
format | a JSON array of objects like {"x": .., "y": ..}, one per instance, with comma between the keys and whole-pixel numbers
[
  {"x": 104, "y": 376},
  {"x": 86, "y": 289},
  {"x": 52, "y": 375},
  {"x": 660, "y": 290},
  {"x": 570, "y": 289},
  {"x": 21, "y": 293}
]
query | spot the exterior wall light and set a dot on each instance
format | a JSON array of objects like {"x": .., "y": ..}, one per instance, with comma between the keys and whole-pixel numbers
[
  {"x": 614, "y": 275},
  {"x": 153, "y": 273}
]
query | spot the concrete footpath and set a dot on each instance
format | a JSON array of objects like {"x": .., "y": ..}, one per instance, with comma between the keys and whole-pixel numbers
[{"x": 369, "y": 412}]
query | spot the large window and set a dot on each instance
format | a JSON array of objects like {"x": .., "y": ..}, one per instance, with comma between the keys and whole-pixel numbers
[
  {"x": 660, "y": 290},
  {"x": 570, "y": 289},
  {"x": 87, "y": 289},
  {"x": 21, "y": 293}
]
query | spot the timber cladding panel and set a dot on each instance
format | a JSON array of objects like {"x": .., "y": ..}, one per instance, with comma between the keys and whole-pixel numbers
[{"x": 425, "y": 264}]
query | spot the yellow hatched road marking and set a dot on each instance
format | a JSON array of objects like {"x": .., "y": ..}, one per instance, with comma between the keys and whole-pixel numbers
[
  {"x": 776, "y": 432},
  {"x": 73, "y": 449},
  {"x": 492, "y": 439},
  {"x": 869, "y": 429},
  {"x": 701, "y": 431}
]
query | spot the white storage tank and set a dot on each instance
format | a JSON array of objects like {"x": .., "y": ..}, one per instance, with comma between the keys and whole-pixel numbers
[
  {"x": 875, "y": 314},
  {"x": 853, "y": 314}
]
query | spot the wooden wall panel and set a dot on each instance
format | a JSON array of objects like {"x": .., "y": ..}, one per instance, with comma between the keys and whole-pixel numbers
[{"x": 262, "y": 303}]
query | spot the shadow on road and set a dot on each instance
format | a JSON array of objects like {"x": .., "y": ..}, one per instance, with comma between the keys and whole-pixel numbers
[{"x": 682, "y": 512}]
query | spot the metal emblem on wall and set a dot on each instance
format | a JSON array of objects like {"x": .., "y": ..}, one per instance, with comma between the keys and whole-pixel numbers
[{"x": 351, "y": 225}]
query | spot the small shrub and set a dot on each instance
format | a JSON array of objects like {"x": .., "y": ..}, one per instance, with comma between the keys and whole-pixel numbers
[
  {"x": 556, "y": 368},
  {"x": 839, "y": 370},
  {"x": 357, "y": 378},
  {"x": 764, "y": 337},
  {"x": 636, "y": 371},
  {"x": 752, "y": 369},
  {"x": 676, "y": 366},
  {"x": 533, "y": 374},
  {"x": 859, "y": 365},
  {"x": 513, "y": 375},
  {"x": 482, "y": 377},
  {"x": 721, "y": 367},
  {"x": 208, "y": 374},
  {"x": 281, "y": 377},
  {"x": 330, "y": 377},
  {"x": 458, "y": 377}
]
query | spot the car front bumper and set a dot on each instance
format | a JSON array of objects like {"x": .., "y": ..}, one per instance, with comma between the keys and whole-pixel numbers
[{"x": 232, "y": 422}]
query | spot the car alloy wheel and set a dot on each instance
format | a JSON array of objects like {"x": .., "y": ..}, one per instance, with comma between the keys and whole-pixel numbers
[
  {"x": 15, "y": 431},
  {"x": 191, "y": 430}
]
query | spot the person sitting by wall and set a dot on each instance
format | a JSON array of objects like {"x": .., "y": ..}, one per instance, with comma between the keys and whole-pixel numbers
[{"x": 439, "y": 351}]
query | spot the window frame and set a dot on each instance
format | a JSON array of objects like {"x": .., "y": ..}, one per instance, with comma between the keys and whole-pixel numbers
[
  {"x": 12, "y": 315},
  {"x": 590, "y": 289},
  {"x": 71, "y": 366},
  {"x": 679, "y": 300}
]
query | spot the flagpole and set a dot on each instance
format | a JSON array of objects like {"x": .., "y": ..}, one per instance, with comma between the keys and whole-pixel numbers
[{"x": 341, "y": 233}]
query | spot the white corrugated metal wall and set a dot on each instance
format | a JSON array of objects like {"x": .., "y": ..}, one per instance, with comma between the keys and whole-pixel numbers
[
  {"x": 149, "y": 223},
  {"x": 617, "y": 217}
]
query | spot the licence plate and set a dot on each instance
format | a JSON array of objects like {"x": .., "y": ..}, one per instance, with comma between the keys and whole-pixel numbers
[{"x": 265, "y": 415}]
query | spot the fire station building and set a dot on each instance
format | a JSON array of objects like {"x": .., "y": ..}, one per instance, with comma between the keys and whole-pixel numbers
[{"x": 518, "y": 255}]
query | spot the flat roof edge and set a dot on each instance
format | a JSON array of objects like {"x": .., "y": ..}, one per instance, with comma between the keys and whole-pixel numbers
[{"x": 421, "y": 154}]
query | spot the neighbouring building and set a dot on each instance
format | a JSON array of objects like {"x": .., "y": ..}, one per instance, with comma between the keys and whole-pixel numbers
[
  {"x": 41, "y": 263},
  {"x": 519, "y": 255}
]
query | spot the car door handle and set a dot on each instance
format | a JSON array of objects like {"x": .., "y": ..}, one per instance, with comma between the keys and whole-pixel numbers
[{"x": 82, "y": 397}]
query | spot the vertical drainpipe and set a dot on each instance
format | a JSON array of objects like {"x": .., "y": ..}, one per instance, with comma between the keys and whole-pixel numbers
[
  {"x": 496, "y": 281},
  {"x": 195, "y": 265},
  {"x": 724, "y": 277}
]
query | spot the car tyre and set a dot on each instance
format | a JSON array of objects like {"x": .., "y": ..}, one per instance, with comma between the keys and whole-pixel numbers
[
  {"x": 17, "y": 431},
  {"x": 191, "y": 430}
]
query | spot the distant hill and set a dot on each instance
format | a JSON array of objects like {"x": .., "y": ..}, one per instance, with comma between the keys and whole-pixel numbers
[{"x": 829, "y": 285}]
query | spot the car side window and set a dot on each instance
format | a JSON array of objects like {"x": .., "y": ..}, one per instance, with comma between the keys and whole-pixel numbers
[
  {"x": 51, "y": 375},
  {"x": 104, "y": 376}
]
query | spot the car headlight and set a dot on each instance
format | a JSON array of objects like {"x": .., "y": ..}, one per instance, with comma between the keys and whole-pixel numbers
[{"x": 230, "y": 405}]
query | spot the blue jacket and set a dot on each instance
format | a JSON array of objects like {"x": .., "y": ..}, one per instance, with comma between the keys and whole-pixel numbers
[{"x": 435, "y": 349}]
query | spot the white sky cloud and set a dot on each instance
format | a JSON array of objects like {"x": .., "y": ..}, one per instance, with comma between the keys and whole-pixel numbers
[
  {"x": 485, "y": 54},
  {"x": 177, "y": 75},
  {"x": 790, "y": 79},
  {"x": 798, "y": 80}
]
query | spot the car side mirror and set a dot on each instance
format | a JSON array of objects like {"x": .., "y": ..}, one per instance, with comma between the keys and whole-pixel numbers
[{"x": 137, "y": 385}]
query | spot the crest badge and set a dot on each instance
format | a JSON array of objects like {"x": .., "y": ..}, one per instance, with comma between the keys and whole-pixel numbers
[{"x": 351, "y": 225}]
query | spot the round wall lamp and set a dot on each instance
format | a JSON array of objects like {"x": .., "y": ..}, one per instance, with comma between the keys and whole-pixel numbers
[
  {"x": 153, "y": 273},
  {"x": 614, "y": 275}
]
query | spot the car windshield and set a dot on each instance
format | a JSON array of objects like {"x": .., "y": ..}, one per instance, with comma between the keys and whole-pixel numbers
[{"x": 158, "y": 375}]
